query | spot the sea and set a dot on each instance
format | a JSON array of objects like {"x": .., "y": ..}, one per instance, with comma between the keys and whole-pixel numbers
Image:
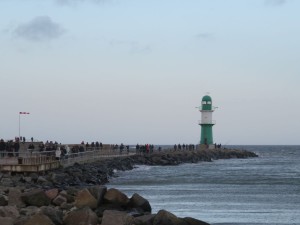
[{"x": 252, "y": 191}]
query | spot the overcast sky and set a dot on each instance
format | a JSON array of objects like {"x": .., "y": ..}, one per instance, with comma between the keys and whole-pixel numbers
[{"x": 133, "y": 71}]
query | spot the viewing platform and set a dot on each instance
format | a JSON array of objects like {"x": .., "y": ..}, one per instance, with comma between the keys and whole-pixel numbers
[{"x": 36, "y": 161}]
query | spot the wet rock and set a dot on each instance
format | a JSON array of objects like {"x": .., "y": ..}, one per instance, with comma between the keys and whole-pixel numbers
[{"x": 144, "y": 220}]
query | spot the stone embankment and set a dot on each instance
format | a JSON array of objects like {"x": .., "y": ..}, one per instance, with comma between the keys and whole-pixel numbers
[
  {"x": 75, "y": 195},
  {"x": 99, "y": 173},
  {"x": 88, "y": 206}
]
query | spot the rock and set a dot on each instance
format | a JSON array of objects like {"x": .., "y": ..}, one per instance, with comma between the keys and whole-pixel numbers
[
  {"x": 3, "y": 200},
  {"x": 137, "y": 201},
  {"x": 39, "y": 219},
  {"x": 14, "y": 197},
  {"x": 116, "y": 197},
  {"x": 59, "y": 200},
  {"x": 52, "y": 193},
  {"x": 9, "y": 211},
  {"x": 29, "y": 211},
  {"x": 164, "y": 217},
  {"x": 70, "y": 198},
  {"x": 144, "y": 220},
  {"x": 85, "y": 198},
  {"x": 6, "y": 182},
  {"x": 81, "y": 217},
  {"x": 113, "y": 217},
  {"x": 192, "y": 221},
  {"x": 98, "y": 192},
  {"x": 7, "y": 221},
  {"x": 35, "y": 197},
  {"x": 54, "y": 214}
]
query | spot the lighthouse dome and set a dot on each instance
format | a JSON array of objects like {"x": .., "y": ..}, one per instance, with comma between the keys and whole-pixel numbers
[
  {"x": 206, "y": 103},
  {"x": 206, "y": 98}
]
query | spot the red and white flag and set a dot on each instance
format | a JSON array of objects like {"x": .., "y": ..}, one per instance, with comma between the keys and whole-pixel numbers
[{"x": 24, "y": 113}]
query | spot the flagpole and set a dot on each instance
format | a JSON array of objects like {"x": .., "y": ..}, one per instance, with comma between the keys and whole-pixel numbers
[{"x": 19, "y": 126}]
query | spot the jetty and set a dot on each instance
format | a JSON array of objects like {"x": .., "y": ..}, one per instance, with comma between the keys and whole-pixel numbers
[{"x": 33, "y": 160}]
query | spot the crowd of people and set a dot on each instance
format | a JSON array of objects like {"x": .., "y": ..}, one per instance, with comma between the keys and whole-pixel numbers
[
  {"x": 184, "y": 147},
  {"x": 9, "y": 148}
]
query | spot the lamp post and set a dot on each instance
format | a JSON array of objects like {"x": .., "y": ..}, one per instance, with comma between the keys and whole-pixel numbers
[{"x": 21, "y": 113}]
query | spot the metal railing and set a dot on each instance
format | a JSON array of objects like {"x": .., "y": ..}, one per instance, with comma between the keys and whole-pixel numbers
[{"x": 32, "y": 157}]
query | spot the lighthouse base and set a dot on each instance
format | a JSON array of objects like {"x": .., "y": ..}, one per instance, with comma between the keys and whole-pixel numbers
[{"x": 203, "y": 147}]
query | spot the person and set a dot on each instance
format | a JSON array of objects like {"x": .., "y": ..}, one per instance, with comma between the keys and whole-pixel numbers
[
  {"x": 31, "y": 139},
  {"x": 16, "y": 148},
  {"x": 57, "y": 153},
  {"x": 2, "y": 147}
]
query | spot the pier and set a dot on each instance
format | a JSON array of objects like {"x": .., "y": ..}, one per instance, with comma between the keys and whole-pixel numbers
[{"x": 27, "y": 160}]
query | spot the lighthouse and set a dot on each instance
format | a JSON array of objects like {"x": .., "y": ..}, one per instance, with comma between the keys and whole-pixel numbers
[{"x": 206, "y": 121}]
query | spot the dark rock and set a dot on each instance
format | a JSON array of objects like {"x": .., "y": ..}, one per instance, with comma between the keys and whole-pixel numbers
[
  {"x": 3, "y": 200},
  {"x": 137, "y": 201},
  {"x": 39, "y": 219},
  {"x": 192, "y": 221},
  {"x": 81, "y": 217},
  {"x": 113, "y": 217},
  {"x": 36, "y": 197},
  {"x": 85, "y": 198},
  {"x": 98, "y": 192},
  {"x": 164, "y": 217},
  {"x": 7, "y": 221},
  {"x": 54, "y": 214},
  {"x": 144, "y": 220},
  {"x": 9, "y": 211},
  {"x": 116, "y": 197}
]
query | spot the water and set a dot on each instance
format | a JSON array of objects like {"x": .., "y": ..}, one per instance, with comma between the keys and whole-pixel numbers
[{"x": 263, "y": 190}]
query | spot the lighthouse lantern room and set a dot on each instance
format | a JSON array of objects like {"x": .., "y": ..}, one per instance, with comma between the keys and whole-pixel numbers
[{"x": 206, "y": 121}]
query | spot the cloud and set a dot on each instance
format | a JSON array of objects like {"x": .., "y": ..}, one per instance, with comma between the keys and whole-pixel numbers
[
  {"x": 275, "y": 2},
  {"x": 41, "y": 28},
  {"x": 207, "y": 36}
]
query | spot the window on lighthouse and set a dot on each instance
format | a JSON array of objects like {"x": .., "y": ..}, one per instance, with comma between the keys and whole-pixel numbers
[
  {"x": 204, "y": 102},
  {"x": 209, "y": 103}
]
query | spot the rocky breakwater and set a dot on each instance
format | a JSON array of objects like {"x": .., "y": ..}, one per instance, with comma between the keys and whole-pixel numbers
[
  {"x": 99, "y": 173},
  {"x": 87, "y": 206}
]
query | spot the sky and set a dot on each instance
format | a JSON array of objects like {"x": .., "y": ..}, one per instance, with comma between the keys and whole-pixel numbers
[{"x": 134, "y": 71}]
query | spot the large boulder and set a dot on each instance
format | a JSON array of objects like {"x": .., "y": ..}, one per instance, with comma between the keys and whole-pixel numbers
[
  {"x": 85, "y": 198},
  {"x": 35, "y": 197},
  {"x": 14, "y": 197},
  {"x": 54, "y": 214},
  {"x": 98, "y": 192},
  {"x": 52, "y": 193},
  {"x": 137, "y": 201},
  {"x": 39, "y": 219},
  {"x": 144, "y": 220},
  {"x": 7, "y": 221},
  {"x": 81, "y": 217},
  {"x": 3, "y": 200},
  {"x": 192, "y": 221},
  {"x": 116, "y": 197},
  {"x": 9, "y": 211},
  {"x": 164, "y": 217},
  {"x": 113, "y": 217}
]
